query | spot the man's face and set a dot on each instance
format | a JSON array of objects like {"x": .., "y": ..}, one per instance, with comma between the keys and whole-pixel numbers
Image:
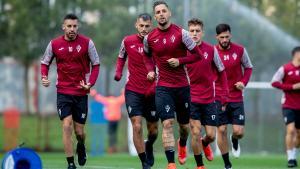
[
  {"x": 296, "y": 57},
  {"x": 224, "y": 39},
  {"x": 196, "y": 33},
  {"x": 143, "y": 27},
  {"x": 162, "y": 14},
  {"x": 70, "y": 27}
]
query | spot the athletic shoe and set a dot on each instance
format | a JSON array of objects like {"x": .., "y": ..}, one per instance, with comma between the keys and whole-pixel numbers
[
  {"x": 171, "y": 166},
  {"x": 235, "y": 152},
  {"x": 81, "y": 153},
  {"x": 292, "y": 163},
  {"x": 200, "y": 167},
  {"x": 182, "y": 153},
  {"x": 146, "y": 165},
  {"x": 228, "y": 167},
  {"x": 72, "y": 166},
  {"x": 149, "y": 153},
  {"x": 208, "y": 152}
]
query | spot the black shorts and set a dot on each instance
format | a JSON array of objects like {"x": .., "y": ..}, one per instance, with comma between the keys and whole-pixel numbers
[
  {"x": 290, "y": 116},
  {"x": 170, "y": 101},
  {"x": 139, "y": 105},
  {"x": 206, "y": 113},
  {"x": 77, "y": 106},
  {"x": 234, "y": 113}
]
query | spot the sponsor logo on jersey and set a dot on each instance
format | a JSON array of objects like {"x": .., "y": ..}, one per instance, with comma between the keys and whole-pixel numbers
[{"x": 70, "y": 49}]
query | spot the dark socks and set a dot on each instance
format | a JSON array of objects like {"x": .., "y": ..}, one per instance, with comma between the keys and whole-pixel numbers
[
  {"x": 70, "y": 160},
  {"x": 142, "y": 157},
  {"x": 151, "y": 139},
  {"x": 182, "y": 142},
  {"x": 170, "y": 154},
  {"x": 235, "y": 142},
  {"x": 226, "y": 159},
  {"x": 199, "y": 160},
  {"x": 204, "y": 143}
]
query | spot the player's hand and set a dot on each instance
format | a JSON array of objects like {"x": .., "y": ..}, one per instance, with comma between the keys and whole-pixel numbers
[
  {"x": 224, "y": 107},
  {"x": 296, "y": 86},
  {"x": 117, "y": 77},
  {"x": 84, "y": 86},
  {"x": 173, "y": 62},
  {"x": 45, "y": 81},
  {"x": 151, "y": 76},
  {"x": 239, "y": 85}
]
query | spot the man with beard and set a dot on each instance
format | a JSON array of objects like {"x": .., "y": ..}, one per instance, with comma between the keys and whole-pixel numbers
[
  {"x": 139, "y": 92},
  {"x": 167, "y": 45},
  {"x": 238, "y": 68},
  {"x": 203, "y": 108},
  {"x": 287, "y": 79},
  {"x": 77, "y": 71}
]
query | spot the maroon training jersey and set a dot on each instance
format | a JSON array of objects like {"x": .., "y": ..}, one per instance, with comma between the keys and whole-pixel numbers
[
  {"x": 132, "y": 47},
  {"x": 165, "y": 44},
  {"x": 73, "y": 60},
  {"x": 202, "y": 74},
  {"x": 284, "y": 79},
  {"x": 238, "y": 68}
]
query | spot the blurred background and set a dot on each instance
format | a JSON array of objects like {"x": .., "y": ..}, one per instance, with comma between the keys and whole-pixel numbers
[{"x": 269, "y": 29}]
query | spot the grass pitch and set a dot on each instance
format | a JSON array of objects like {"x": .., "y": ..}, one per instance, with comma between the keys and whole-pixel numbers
[{"x": 125, "y": 161}]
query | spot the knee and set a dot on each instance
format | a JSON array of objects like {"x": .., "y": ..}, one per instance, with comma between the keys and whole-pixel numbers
[
  {"x": 79, "y": 132},
  {"x": 210, "y": 137},
  {"x": 67, "y": 128},
  {"x": 168, "y": 124},
  {"x": 222, "y": 130},
  {"x": 238, "y": 134},
  {"x": 137, "y": 127}
]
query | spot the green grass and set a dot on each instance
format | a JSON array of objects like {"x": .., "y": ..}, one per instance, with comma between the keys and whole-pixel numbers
[{"x": 125, "y": 161}]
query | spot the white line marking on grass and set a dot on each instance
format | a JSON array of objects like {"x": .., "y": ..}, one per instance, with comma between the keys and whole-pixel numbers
[{"x": 90, "y": 167}]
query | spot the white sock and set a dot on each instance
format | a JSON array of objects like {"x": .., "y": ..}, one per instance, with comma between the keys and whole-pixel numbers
[
  {"x": 290, "y": 154},
  {"x": 295, "y": 150}
]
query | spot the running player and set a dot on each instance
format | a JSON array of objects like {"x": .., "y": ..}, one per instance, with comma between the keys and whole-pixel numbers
[
  {"x": 139, "y": 92},
  {"x": 238, "y": 69},
  {"x": 203, "y": 109},
  {"x": 287, "y": 79},
  {"x": 167, "y": 45},
  {"x": 74, "y": 54}
]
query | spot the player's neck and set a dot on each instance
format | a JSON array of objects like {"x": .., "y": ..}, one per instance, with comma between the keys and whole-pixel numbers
[
  {"x": 69, "y": 39},
  {"x": 164, "y": 27},
  {"x": 199, "y": 42}
]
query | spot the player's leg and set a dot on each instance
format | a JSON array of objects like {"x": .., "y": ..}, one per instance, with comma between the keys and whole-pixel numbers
[
  {"x": 210, "y": 122},
  {"x": 152, "y": 119},
  {"x": 222, "y": 134},
  {"x": 65, "y": 115},
  {"x": 80, "y": 113},
  {"x": 195, "y": 125},
  {"x": 112, "y": 133},
  {"x": 166, "y": 109},
  {"x": 291, "y": 136},
  {"x": 134, "y": 107},
  {"x": 297, "y": 140},
  {"x": 183, "y": 103},
  {"x": 238, "y": 122}
]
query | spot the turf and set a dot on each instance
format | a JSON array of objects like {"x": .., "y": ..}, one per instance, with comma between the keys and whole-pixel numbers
[{"x": 124, "y": 161}]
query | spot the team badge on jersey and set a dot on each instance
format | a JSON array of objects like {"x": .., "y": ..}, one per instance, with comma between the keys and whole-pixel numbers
[
  {"x": 173, "y": 38},
  {"x": 140, "y": 49},
  {"x": 205, "y": 55},
  {"x": 297, "y": 72},
  {"x": 234, "y": 55},
  {"x": 78, "y": 48}
]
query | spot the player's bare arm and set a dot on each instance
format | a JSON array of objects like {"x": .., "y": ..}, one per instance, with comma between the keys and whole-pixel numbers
[{"x": 296, "y": 86}]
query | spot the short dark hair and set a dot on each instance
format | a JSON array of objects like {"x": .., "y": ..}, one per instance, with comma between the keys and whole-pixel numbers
[
  {"x": 295, "y": 50},
  {"x": 195, "y": 21},
  {"x": 223, "y": 27},
  {"x": 145, "y": 16},
  {"x": 156, "y": 3},
  {"x": 71, "y": 16}
]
